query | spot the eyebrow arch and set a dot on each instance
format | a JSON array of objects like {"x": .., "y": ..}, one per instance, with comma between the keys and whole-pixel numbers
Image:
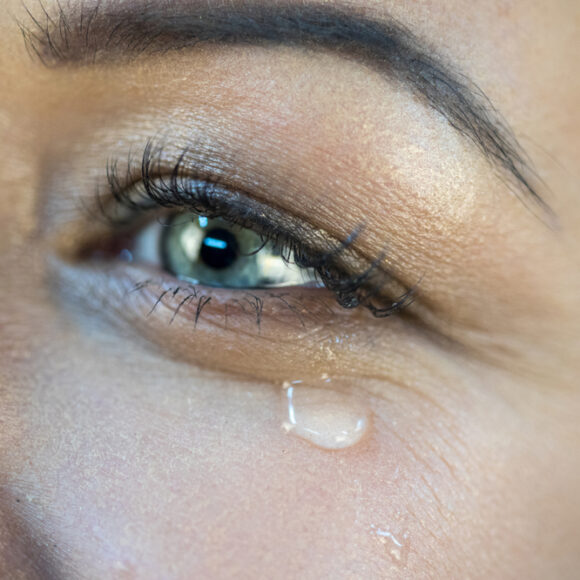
[{"x": 104, "y": 34}]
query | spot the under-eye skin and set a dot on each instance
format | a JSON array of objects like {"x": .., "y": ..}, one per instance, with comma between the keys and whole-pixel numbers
[{"x": 215, "y": 235}]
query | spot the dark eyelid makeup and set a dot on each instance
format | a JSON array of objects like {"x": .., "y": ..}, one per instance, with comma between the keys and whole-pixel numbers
[
  {"x": 152, "y": 184},
  {"x": 103, "y": 34}
]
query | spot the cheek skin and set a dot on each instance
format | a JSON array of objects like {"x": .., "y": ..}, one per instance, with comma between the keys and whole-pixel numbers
[
  {"x": 110, "y": 469},
  {"x": 150, "y": 466},
  {"x": 117, "y": 470}
]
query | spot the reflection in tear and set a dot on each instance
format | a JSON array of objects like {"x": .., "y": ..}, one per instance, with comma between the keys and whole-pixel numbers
[
  {"x": 398, "y": 547},
  {"x": 323, "y": 414}
]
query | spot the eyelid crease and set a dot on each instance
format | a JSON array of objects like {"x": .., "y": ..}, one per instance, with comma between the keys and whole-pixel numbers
[
  {"x": 151, "y": 185},
  {"x": 95, "y": 33}
]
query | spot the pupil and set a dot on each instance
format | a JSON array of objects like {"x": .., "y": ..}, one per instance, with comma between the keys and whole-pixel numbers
[{"x": 219, "y": 249}]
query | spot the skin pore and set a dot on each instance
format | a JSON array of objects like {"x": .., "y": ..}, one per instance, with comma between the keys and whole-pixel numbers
[{"x": 141, "y": 433}]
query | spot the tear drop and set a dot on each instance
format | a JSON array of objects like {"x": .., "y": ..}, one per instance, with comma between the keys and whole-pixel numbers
[{"x": 323, "y": 414}]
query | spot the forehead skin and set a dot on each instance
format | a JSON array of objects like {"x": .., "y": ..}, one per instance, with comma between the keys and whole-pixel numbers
[{"x": 117, "y": 462}]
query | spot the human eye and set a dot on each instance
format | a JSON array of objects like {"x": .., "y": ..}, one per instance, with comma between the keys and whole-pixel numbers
[
  {"x": 209, "y": 235},
  {"x": 364, "y": 206},
  {"x": 222, "y": 279},
  {"x": 214, "y": 252}
]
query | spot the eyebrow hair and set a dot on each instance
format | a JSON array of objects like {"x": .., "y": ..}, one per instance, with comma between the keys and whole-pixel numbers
[{"x": 101, "y": 34}]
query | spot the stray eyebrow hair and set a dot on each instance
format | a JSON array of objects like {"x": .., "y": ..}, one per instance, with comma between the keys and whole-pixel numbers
[{"x": 103, "y": 34}]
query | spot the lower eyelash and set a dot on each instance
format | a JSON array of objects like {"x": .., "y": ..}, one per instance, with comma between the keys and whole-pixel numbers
[
  {"x": 149, "y": 186},
  {"x": 250, "y": 304}
]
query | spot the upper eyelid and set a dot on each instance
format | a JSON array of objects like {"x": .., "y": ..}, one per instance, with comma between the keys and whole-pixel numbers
[
  {"x": 167, "y": 187},
  {"x": 87, "y": 35},
  {"x": 156, "y": 173}
]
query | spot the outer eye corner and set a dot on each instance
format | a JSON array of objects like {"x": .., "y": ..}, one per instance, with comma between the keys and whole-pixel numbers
[{"x": 217, "y": 234}]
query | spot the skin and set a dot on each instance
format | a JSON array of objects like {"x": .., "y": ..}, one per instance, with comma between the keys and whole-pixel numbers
[{"x": 131, "y": 448}]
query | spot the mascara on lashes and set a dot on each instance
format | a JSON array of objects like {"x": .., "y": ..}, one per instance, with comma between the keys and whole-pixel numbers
[{"x": 153, "y": 185}]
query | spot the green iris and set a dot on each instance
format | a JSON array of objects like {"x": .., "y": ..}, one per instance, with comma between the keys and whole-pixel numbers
[{"x": 213, "y": 252}]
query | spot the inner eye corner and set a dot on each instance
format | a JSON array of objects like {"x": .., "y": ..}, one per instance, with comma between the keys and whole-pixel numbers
[{"x": 286, "y": 249}]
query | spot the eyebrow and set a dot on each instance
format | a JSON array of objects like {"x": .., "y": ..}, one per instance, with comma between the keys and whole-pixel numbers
[{"x": 102, "y": 34}]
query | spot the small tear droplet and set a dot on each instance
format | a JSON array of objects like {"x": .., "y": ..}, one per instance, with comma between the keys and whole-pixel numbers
[
  {"x": 287, "y": 384},
  {"x": 323, "y": 414},
  {"x": 397, "y": 546}
]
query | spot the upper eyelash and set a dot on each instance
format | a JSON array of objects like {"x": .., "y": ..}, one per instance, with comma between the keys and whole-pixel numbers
[{"x": 150, "y": 185}]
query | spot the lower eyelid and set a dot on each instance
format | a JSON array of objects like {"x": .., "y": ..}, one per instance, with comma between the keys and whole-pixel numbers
[
  {"x": 213, "y": 327},
  {"x": 300, "y": 331}
]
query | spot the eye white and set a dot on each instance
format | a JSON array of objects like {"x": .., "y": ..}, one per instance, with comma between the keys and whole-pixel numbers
[{"x": 177, "y": 246}]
